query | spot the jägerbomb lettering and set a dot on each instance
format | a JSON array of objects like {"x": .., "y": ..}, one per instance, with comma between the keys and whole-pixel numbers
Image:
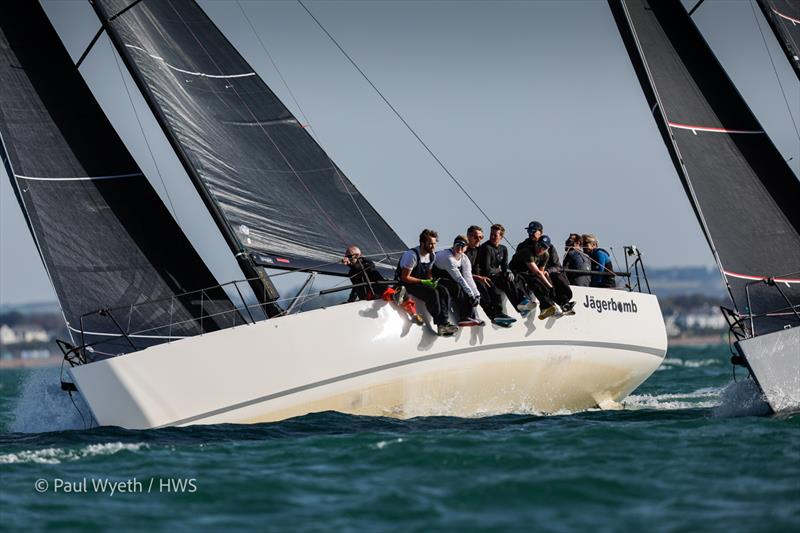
[{"x": 609, "y": 305}]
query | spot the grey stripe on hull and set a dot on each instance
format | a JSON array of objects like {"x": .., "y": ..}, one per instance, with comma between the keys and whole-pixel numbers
[{"x": 612, "y": 345}]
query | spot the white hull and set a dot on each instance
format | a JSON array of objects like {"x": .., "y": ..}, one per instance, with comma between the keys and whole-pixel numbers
[{"x": 367, "y": 358}]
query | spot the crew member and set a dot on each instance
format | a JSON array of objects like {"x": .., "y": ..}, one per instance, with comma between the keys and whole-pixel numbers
[
  {"x": 455, "y": 272},
  {"x": 601, "y": 262},
  {"x": 414, "y": 271},
  {"x": 576, "y": 260},
  {"x": 492, "y": 265},
  {"x": 363, "y": 275},
  {"x": 538, "y": 264}
]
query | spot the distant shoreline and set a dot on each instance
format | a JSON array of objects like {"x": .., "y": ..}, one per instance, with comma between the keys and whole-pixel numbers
[
  {"x": 54, "y": 360},
  {"x": 698, "y": 340}
]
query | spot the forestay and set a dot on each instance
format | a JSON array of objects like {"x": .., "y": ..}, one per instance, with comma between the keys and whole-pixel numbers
[
  {"x": 105, "y": 237},
  {"x": 743, "y": 192},
  {"x": 273, "y": 190}
]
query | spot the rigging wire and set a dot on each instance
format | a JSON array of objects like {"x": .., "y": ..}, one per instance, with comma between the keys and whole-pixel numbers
[
  {"x": 144, "y": 136},
  {"x": 311, "y": 128},
  {"x": 774, "y": 69},
  {"x": 397, "y": 113}
]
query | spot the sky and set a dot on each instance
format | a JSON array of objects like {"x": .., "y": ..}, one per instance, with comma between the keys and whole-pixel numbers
[{"x": 533, "y": 106}]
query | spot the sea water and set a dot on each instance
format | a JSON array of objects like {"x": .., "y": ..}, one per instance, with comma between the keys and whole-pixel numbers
[{"x": 688, "y": 451}]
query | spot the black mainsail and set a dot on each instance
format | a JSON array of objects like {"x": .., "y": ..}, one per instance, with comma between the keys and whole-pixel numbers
[
  {"x": 783, "y": 17},
  {"x": 105, "y": 237},
  {"x": 742, "y": 190},
  {"x": 275, "y": 194}
]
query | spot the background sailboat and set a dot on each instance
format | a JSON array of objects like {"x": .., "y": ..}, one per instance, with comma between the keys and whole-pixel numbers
[{"x": 743, "y": 192}]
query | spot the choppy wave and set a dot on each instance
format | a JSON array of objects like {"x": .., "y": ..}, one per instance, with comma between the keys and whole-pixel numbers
[
  {"x": 42, "y": 406},
  {"x": 741, "y": 398},
  {"x": 59, "y": 455},
  {"x": 702, "y": 398},
  {"x": 690, "y": 363}
]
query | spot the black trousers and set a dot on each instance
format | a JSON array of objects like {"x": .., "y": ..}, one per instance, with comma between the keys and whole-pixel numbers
[
  {"x": 462, "y": 302},
  {"x": 559, "y": 294},
  {"x": 492, "y": 295},
  {"x": 436, "y": 300}
]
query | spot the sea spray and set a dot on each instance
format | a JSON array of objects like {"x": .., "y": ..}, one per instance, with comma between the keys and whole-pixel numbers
[
  {"x": 741, "y": 398},
  {"x": 42, "y": 406}
]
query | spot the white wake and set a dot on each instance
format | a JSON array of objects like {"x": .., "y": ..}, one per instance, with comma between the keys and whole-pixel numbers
[{"x": 42, "y": 406}]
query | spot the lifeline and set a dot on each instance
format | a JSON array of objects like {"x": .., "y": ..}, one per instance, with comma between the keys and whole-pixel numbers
[{"x": 609, "y": 305}]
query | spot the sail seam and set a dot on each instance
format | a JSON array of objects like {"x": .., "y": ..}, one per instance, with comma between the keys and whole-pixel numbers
[
  {"x": 79, "y": 178},
  {"x": 711, "y": 129},
  {"x": 191, "y": 73}
]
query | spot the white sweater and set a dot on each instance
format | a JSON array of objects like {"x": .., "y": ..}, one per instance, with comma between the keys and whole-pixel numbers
[{"x": 459, "y": 269}]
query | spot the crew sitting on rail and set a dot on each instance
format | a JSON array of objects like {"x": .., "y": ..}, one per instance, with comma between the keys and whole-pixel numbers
[
  {"x": 537, "y": 262},
  {"x": 576, "y": 260},
  {"x": 601, "y": 262},
  {"x": 454, "y": 270},
  {"x": 363, "y": 274},
  {"x": 474, "y": 238},
  {"x": 414, "y": 271},
  {"x": 491, "y": 274}
]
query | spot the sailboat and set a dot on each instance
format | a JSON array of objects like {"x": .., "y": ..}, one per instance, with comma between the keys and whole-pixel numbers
[
  {"x": 157, "y": 342},
  {"x": 742, "y": 190}
]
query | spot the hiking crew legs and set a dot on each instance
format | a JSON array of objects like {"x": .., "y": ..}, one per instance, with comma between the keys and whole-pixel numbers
[
  {"x": 462, "y": 302},
  {"x": 560, "y": 293},
  {"x": 491, "y": 298},
  {"x": 515, "y": 290},
  {"x": 437, "y": 301}
]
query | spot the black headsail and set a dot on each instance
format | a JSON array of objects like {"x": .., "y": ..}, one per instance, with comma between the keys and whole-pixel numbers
[
  {"x": 743, "y": 192},
  {"x": 274, "y": 192},
  {"x": 104, "y": 235},
  {"x": 783, "y": 17}
]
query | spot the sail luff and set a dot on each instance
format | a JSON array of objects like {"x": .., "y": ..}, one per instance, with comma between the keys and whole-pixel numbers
[
  {"x": 743, "y": 192},
  {"x": 231, "y": 239},
  {"x": 620, "y": 12}
]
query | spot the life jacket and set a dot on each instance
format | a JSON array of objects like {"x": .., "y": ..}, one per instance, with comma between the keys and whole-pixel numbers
[
  {"x": 605, "y": 281},
  {"x": 420, "y": 270}
]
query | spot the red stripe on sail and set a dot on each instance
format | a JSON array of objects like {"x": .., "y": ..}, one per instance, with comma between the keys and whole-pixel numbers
[
  {"x": 760, "y": 278},
  {"x": 710, "y": 129}
]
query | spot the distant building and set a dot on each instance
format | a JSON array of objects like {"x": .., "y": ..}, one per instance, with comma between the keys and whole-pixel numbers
[
  {"x": 25, "y": 334},
  {"x": 8, "y": 335}
]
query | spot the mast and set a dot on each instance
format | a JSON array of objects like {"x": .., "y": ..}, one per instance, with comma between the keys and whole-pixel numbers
[{"x": 742, "y": 191}]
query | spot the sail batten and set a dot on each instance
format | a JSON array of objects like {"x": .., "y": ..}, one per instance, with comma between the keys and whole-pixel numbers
[
  {"x": 744, "y": 194},
  {"x": 271, "y": 188}
]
